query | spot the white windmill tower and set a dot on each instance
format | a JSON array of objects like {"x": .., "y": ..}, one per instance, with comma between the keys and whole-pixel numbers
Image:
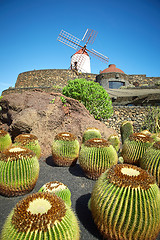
[{"x": 80, "y": 61}]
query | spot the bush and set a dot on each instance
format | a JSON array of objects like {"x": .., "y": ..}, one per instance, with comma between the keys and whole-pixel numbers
[{"x": 93, "y": 96}]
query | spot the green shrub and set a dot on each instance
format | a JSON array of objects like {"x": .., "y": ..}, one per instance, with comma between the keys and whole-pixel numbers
[{"x": 93, "y": 96}]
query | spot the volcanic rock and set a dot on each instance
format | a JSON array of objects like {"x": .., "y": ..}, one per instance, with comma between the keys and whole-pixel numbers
[{"x": 45, "y": 115}]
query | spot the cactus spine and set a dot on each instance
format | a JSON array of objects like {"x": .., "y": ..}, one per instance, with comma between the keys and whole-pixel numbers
[
  {"x": 5, "y": 140},
  {"x": 19, "y": 171},
  {"x": 125, "y": 204},
  {"x": 96, "y": 155},
  {"x": 115, "y": 141},
  {"x": 151, "y": 161},
  {"x": 29, "y": 141},
  {"x": 126, "y": 129},
  {"x": 65, "y": 149},
  {"x": 60, "y": 189},
  {"x": 135, "y": 146},
  {"x": 41, "y": 216},
  {"x": 90, "y": 133}
]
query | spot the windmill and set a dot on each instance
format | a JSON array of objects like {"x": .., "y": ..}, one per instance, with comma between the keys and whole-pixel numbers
[{"x": 80, "y": 61}]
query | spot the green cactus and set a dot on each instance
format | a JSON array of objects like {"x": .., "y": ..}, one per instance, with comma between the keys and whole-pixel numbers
[
  {"x": 65, "y": 149},
  {"x": 5, "y": 140},
  {"x": 115, "y": 141},
  {"x": 60, "y": 189},
  {"x": 29, "y": 141},
  {"x": 134, "y": 147},
  {"x": 19, "y": 171},
  {"x": 90, "y": 133},
  {"x": 126, "y": 129},
  {"x": 151, "y": 161},
  {"x": 96, "y": 155},
  {"x": 41, "y": 216},
  {"x": 125, "y": 204}
]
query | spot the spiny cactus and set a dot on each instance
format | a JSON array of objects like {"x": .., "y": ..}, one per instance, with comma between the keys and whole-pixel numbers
[
  {"x": 5, "y": 140},
  {"x": 65, "y": 149},
  {"x": 90, "y": 133},
  {"x": 115, "y": 141},
  {"x": 29, "y": 141},
  {"x": 151, "y": 161},
  {"x": 96, "y": 155},
  {"x": 19, "y": 171},
  {"x": 125, "y": 204},
  {"x": 135, "y": 146},
  {"x": 126, "y": 129},
  {"x": 60, "y": 189},
  {"x": 41, "y": 216}
]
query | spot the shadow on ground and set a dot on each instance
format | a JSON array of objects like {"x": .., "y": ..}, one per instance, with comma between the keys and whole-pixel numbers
[{"x": 85, "y": 217}]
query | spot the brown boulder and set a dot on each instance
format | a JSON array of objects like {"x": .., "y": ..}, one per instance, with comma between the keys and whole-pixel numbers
[{"x": 44, "y": 115}]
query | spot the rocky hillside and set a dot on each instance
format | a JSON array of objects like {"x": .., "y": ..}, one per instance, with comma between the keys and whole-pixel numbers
[{"x": 46, "y": 114}]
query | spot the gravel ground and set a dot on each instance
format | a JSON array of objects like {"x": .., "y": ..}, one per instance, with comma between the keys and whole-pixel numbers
[{"x": 80, "y": 187}]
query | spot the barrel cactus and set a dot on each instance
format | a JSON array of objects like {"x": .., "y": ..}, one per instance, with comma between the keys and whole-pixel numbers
[
  {"x": 19, "y": 171},
  {"x": 29, "y": 141},
  {"x": 125, "y": 204},
  {"x": 60, "y": 189},
  {"x": 65, "y": 149},
  {"x": 151, "y": 161},
  {"x": 126, "y": 129},
  {"x": 96, "y": 155},
  {"x": 115, "y": 141},
  {"x": 5, "y": 140},
  {"x": 41, "y": 216},
  {"x": 90, "y": 133},
  {"x": 135, "y": 146}
]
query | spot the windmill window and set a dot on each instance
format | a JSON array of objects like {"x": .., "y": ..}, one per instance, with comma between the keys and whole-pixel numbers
[{"x": 115, "y": 84}]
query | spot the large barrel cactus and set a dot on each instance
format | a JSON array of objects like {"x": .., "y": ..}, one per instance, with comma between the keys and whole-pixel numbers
[
  {"x": 5, "y": 140},
  {"x": 41, "y": 216},
  {"x": 135, "y": 146},
  {"x": 19, "y": 171},
  {"x": 96, "y": 155},
  {"x": 29, "y": 141},
  {"x": 90, "y": 133},
  {"x": 125, "y": 204},
  {"x": 60, "y": 189},
  {"x": 65, "y": 149},
  {"x": 151, "y": 161}
]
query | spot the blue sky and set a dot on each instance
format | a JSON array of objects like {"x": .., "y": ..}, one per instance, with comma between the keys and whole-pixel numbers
[{"x": 128, "y": 33}]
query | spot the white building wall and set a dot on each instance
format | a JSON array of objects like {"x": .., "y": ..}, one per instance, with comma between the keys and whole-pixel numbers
[{"x": 83, "y": 63}]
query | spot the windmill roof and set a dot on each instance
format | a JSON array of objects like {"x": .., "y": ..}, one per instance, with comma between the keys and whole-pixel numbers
[
  {"x": 82, "y": 51},
  {"x": 112, "y": 68}
]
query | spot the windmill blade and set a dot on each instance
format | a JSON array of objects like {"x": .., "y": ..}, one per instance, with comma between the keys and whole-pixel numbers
[
  {"x": 89, "y": 36},
  {"x": 68, "y": 39},
  {"x": 100, "y": 56}
]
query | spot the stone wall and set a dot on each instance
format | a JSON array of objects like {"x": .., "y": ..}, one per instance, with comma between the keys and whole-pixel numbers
[
  {"x": 143, "y": 80},
  {"x": 49, "y": 77},
  {"x": 135, "y": 114}
]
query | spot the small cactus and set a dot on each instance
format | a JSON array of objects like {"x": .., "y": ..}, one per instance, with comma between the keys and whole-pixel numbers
[
  {"x": 115, "y": 141},
  {"x": 125, "y": 204},
  {"x": 19, "y": 171},
  {"x": 96, "y": 155},
  {"x": 90, "y": 133},
  {"x": 126, "y": 129},
  {"x": 151, "y": 161},
  {"x": 41, "y": 216},
  {"x": 5, "y": 140},
  {"x": 65, "y": 149},
  {"x": 134, "y": 147},
  {"x": 29, "y": 141},
  {"x": 60, "y": 189}
]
